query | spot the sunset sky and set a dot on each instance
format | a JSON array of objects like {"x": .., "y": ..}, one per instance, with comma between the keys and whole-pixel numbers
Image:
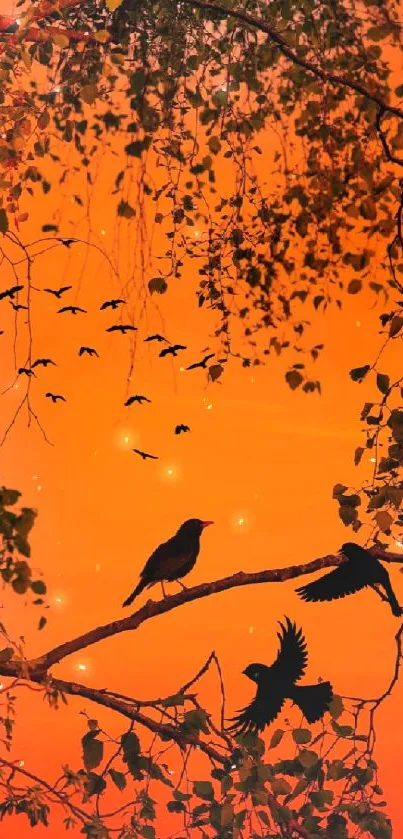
[{"x": 260, "y": 462}]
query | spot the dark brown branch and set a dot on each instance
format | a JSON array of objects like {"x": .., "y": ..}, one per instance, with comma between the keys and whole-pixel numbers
[
  {"x": 128, "y": 710},
  {"x": 325, "y": 76},
  {"x": 15, "y": 767},
  {"x": 382, "y": 137},
  {"x": 153, "y": 608}
]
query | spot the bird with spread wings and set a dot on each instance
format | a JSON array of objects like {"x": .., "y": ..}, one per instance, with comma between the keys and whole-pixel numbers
[{"x": 277, "y": 683}]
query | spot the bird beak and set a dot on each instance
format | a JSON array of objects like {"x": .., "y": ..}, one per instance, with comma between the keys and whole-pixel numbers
[{"x": 206, "y": 523}]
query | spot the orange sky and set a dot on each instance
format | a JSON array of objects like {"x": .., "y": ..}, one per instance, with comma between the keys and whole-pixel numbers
[{"x": 260, "y": 453}]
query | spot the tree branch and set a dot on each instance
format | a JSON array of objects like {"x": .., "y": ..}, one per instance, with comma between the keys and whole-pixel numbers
[
  {"x": 323, "y": 75},
  {"x": 39, "y": 666}
]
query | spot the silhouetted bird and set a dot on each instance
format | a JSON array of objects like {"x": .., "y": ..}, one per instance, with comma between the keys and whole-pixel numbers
[
  {"x": 11, "y": 292},
  {"x": 55, "y": 396},
  {"x": 67, "y": 242},
  {"x": 172, "y": 350},
  {"x": 18, "y": 306},
  {"x": 201, "y": 363},
  {"x": 145, "y": 455},
  {"x": 136, "y": 398},
  {"x": 43, "y": 362},
  {"x": 26, "y": 371},
  {"x": 57, "y": 292},
  {"x": 181, "y": 428},
  {"x": 72, "y": 309},
  {"x": 360, "y": 570},
  {"x": 277, "y": 683},
  {"x": 156, "y": 337},
  {"x": 172, "y": 559},
  {"x": 88, "y": 351},
  {"x": 111, "y": 304},
  {"x": 122, "y": 327}
]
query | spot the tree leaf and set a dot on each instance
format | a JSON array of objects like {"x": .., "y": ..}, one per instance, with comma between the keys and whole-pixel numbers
[
  {"x": 280, "y": 786},
  {"x": 336, "y": 707},
  {"x": 307, "y": 758},
  {"x": 301, "y": 735},
  {"x": 118, "y": 779},
  {"x": 203, "y": 789},
  {"x": 125, "y": 210},
  {"x": 357, "y": 374},
  {"x": 113, "y": 4},
  {"x": 38, "y": 587},
  {"x": 276, "y": 738},
  {"x": 384, "y": 520},
  {"x": 382, "y": 382},
  {"x": 354, "y": 286},
  {"x": 93, "y": 750},
  {"x": 395, "y": 326},
  {"x": 3, "y": 221},
  {"x": 89, "y": 93},
  {"x": 358, "y": 454},
  {"x": 158, "y": 285},
  {"x": 215, "y": 371},
  {"x": 293, "y": 379}
]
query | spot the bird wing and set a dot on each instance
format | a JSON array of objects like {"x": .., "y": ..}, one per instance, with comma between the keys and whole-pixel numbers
[
  {"x": 292, "y": 658},
  {"x": 165, "y": 560},
  {"x": 343, "y": 580},
  {"x": 263, "y": 709}
]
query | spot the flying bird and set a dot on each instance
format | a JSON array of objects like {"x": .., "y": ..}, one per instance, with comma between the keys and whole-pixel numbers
[
  {"x": 181, "y": 428},
  {"x": 11, "y": 292},
  {"x": 201, "y": 363},
  {"x": 360, "y": 570},
  {"x": 88, "y": 351},
  {"x": 55, "y": 396},
  {"x": 26, "y": 371},
  {"x": 72, "y": 309},
  {"x": 156, "y": 337},
  {"x": 277, "y": 683},
  {"x": 18, "y": 306},
  {"x": 57, "y": 292},
  {"x": 136, "y": 398},
  {"x": 173, "y": 350},
  {"x": 145, "y": 455},
  {"x": 122, "y": 327},
  {"x": 173, "y": 559},
  {"x": 111, "y": 304},
  {"x": 43, "y": 362}
]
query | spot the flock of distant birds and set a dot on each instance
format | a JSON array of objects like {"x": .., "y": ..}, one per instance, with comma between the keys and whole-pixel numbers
[{"x": 171, "y": 349}]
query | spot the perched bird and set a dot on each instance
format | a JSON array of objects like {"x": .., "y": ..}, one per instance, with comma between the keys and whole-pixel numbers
[
  {"x": 11, "y": 292},
  {"x": 173, "y": 350},
  {"x": 26, "y": 371},
  {"x": 201, "y": 363},
  {"x": 72, "y": 309},
  {"x": 136, "y": 398},
  {"x": 181, "y": 428},
  {"x": 43, "y": 362},
  {"x": 172, "y": 559},
  {"x": 145, "y": 455},
  {"x": 55, "y": 396},
  {"x": 122, "y": 327},
  {"x": 156, "y": 337},
  {"x": 111, "y": 304},
  {"x": 58, "y": 291},
  {"x": 277, "y": 683},
  {"x": 18, "y": 306},
  {"x": 360, "y": 570},
  {"x": 88, "y": 350}
]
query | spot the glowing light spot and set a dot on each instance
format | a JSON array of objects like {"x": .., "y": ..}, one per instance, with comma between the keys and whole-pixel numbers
[
  {"x": 209, "y": 406},
  {"x": 22, "y": 762},
  {"x": 241, "y": 521},
  {"x": 35, "y": 477},
  {"x": 181, "y": 369},
  {"x": 56, "y": 89},
  {"x": 170, "y": 471},
  {"x": 59, "y": 599},
  {"x": 127, "y": 439},
  {"x": 81, "y": 667},
  {"x": 16, "y": 386},
  {"x": 233, "y": 765},
  {"x": 252, "y": 378},
  {"x": 103, "y": 232},
  {"x": 399, "y": 544},
  {"x": 1, "y": 686},
  {"x": 97, "y": 567},
  {"x": 372, "y": 460},
  {"x": 39, "y": 487},
  {"x": 358, "y": 323},
  {"x": 251, "y": 629}
]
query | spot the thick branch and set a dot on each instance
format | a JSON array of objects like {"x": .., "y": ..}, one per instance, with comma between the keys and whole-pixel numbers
[{"x": 39, "y": 666}]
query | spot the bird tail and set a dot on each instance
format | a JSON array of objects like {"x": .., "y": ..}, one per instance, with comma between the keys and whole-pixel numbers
[
  {"x": 139, "y": 588},
  {"x": 394, "y": 605},
  {"x": 313, "y": 700}
]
